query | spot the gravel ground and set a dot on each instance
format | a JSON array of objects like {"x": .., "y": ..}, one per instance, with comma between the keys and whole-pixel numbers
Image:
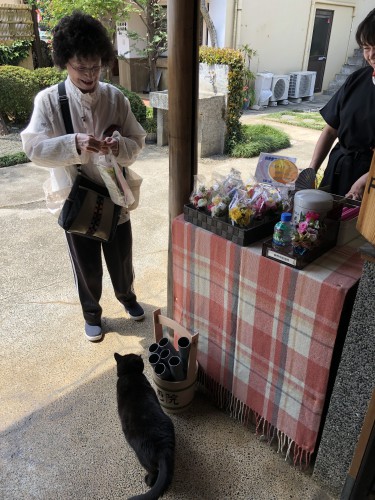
[{"x": 10, "y": 144}]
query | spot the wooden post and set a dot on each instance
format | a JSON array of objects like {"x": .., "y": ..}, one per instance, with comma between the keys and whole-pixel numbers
[
  {"x": 183, "y": 17},
  {"x": 366, "y": 219}
]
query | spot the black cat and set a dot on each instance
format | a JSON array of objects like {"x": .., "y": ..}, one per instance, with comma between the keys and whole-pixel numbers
[{"x": 148, "y": 430}]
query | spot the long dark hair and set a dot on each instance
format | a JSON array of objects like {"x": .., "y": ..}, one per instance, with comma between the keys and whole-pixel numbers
[{"x": 83, "y": 36}]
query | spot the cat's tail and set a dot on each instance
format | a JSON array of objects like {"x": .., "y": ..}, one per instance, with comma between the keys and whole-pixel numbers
[{"x": 165, "y": 476}]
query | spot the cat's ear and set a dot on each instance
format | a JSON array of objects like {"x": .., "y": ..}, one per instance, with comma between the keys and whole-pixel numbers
[{"x": 117, "y": 356}]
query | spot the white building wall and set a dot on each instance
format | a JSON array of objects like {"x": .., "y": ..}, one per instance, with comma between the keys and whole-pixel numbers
[
  {"x": 277, "y": 31},
  {"x": 281, "y": 31},
  {"x": 363, "y": 7},
  {"x": 127, "y": 47},
  {"x": 217, "y": 11}
]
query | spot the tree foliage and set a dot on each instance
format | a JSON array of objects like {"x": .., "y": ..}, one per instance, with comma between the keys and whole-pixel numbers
[
  {"x": 107, "y": 11},
  {"x": 149, "y": 46},
  {"x": 154, "y": 43},
  {"x": 14, "y": 52}
]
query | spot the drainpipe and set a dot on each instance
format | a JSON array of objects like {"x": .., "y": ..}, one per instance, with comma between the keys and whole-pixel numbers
[
  {"x": 236, "y": 22},
  {"x": 234, "y": 28},
  {"x": 308, "y": 37}
]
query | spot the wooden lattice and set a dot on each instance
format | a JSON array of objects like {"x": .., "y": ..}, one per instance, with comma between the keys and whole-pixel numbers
[{"x": 15, "y": 23}]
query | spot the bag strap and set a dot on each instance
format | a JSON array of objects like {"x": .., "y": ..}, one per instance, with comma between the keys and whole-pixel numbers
[
  {"x": 64, "y": 104},
  {"x": 65, "y": 110}
]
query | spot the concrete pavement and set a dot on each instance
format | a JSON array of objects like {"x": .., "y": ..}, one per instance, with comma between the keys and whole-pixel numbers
[{"x": 60, "y": 434}]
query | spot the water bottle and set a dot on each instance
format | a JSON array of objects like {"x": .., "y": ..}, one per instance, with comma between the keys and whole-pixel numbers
[{"x": 282, "y": 234}]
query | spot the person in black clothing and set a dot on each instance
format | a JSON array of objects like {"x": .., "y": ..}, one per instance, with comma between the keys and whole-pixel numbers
[{"x": 350, "y": 118}]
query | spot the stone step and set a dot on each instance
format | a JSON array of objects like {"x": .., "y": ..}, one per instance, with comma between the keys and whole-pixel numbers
[
  {"x": 333, "y": 87},
  {"x": 355, "y": 60},
  {"x": 348, "y": 69},
  {"x": 340, "y": 78}
]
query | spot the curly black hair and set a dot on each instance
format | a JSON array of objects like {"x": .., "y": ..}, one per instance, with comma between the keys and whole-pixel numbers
[
  {"x": 366, "y": 30},
  {"x": 83, "y": 36}
]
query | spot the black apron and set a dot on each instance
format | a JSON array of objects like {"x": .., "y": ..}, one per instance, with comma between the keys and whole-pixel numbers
[{"x": 344, "y": 168}]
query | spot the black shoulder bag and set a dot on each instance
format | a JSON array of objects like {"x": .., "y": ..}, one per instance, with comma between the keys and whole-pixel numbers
[{"x": 88, "y": 211}]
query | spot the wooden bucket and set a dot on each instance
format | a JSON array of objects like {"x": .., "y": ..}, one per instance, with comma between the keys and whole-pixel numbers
[{"x": 176, "y": 397}]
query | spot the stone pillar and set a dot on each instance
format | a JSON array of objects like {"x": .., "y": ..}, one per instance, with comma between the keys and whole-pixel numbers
[
  {"x": 353, "y": 387},
  {"x": 159, "y": 101},
  {"x": 211, "y": 125}
]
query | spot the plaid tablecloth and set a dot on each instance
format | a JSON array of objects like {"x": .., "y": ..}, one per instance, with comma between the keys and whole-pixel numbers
[{"x": 266, "y": 330}]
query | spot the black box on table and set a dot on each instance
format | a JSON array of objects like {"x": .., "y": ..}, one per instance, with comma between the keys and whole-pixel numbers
[
  {"x": 258, "y": 230},
  {"x": 329, "y": 240}
]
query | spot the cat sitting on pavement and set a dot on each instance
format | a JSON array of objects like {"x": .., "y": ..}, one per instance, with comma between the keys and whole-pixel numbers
[{"x": 148, "y": 430}]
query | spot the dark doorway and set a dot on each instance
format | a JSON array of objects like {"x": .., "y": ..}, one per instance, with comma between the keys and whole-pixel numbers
[{"x": 319, "y": 45}]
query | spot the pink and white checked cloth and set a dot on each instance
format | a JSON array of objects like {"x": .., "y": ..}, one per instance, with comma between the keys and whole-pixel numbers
[{"x": 266, "y": 331}]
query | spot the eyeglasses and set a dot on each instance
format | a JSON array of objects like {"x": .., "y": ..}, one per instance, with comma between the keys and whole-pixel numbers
[{"x": 84, "y": 71}]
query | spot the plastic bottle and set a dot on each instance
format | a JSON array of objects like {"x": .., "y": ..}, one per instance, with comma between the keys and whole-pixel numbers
[{"x": 282, "y": 234}]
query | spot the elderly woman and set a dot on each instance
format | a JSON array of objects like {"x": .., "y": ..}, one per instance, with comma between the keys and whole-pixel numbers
[
  {"x": 103, "y": 122},
  {"x": 350, "y": 117}
]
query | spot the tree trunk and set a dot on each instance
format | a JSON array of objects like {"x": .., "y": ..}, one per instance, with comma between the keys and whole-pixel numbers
[
  {"x": 36, "y": 42},
  {"x": 3, "y": 128},
  {"x": 210, "y": 25},
  {"x": 152, "y": 55},
  {"x": 153, "y": 74}
]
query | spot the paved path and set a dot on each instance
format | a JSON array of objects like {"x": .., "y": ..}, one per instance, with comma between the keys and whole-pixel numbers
[{"x": 60, "y": 435}]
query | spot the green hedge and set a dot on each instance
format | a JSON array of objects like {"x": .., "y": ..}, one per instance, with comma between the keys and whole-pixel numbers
[
  {"x": 234, "y": 59},
  {"x": 13, "y": 159},
  {"x": 260, "y": 138},
  {"x": 49, "y": 76},
  {"x": 136, "y": 103},
  {"x": 18, "y": 87}
]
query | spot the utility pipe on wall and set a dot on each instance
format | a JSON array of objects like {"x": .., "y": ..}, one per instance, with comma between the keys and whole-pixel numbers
[
  {"x": 234, "y": 29},
  {"x": 236, "y": 22}
]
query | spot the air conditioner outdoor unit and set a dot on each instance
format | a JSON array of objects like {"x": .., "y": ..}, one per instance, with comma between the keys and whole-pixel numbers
[
  {"x": 279, "y": 87},
  {"x": 302, "y": 84}
]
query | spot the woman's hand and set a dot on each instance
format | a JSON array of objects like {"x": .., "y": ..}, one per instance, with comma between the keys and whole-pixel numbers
[
  {"x": 112, "y": 145},
  {"x": 89, "y": 143},
  {"x": 358, "y": 188}
]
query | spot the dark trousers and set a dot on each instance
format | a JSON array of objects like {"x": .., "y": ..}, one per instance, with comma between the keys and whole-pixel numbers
[{"x": 86, "y": 258}]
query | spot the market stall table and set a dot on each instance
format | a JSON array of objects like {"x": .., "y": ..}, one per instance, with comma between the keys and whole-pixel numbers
[{"x": 266, "y": 331}]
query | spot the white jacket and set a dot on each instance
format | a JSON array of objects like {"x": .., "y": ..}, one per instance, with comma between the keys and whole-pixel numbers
[{"x": 46, "y": 143}]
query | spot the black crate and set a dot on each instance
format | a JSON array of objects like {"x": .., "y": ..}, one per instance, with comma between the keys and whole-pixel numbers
[
  {"x": 294, "y": 260},
  {"x": 332, "y": 222},
  {"x": 258, "y": 230}
]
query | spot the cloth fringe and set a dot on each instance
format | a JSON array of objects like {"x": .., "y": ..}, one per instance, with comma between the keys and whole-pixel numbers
[{"x": 238, "y": 410}]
